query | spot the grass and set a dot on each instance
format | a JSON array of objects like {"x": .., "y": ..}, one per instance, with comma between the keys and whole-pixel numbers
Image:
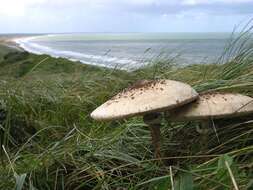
[{"x": 49, "y": 141}]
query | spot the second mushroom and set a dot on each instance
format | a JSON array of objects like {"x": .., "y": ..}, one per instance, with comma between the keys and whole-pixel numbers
[{"x": 215, "y": 105}]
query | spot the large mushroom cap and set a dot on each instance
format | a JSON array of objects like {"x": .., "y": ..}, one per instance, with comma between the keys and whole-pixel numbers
[
  {"x": 214, "y": 105},
  {"x": 145, "y": 97}
]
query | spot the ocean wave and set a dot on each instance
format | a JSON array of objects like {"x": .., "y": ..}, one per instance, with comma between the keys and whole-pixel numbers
[{"x": 30, "y": 45}]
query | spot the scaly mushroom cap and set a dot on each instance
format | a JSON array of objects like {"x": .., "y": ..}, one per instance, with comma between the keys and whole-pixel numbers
[
  {"x": 214, "y": 105},
  {"x": 145, "y": 97}
]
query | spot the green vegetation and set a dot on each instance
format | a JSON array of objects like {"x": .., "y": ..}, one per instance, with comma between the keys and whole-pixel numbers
[
  {"x": 48, "y": 140},
  {"x": 4, "y": 50}
]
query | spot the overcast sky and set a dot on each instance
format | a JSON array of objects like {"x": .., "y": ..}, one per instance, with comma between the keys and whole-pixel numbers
[{"x": 47, "y": 16}]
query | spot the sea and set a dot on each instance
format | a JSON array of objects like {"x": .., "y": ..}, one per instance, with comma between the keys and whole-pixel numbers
[{"x": 130, "y": 50}]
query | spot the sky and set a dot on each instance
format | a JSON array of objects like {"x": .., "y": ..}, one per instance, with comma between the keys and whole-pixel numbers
[{"x": 61, "y": 16}]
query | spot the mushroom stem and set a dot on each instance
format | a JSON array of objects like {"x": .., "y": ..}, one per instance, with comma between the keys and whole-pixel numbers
[
  {"x": 203, "y": 130},
  {"x": 155, "y": 133},
  {"x": 204, "y": 127},
  {"x": 153, "y": 120}
]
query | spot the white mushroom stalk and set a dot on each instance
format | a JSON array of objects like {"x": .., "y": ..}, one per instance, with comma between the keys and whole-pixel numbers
[{"x": 147, "y": 98}]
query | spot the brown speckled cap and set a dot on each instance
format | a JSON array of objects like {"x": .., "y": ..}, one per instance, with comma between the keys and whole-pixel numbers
[
  {"x": 214, "y": 105},
  {"x": 145, "y": 96}
]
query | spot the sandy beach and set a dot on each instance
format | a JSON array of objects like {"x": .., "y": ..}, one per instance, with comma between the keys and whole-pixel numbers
[{"x": 9, "y": 40}]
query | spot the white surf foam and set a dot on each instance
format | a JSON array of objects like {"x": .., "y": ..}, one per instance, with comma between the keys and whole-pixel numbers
[{"x": 30, "y": 45}]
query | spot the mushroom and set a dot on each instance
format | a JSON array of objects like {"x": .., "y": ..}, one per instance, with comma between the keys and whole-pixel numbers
[
  {"x": 147, "y": 98},
  {"x": 213, "y": 106}
]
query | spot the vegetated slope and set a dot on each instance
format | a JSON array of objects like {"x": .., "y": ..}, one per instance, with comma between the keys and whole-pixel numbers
[{"x": 49, "y": 141}]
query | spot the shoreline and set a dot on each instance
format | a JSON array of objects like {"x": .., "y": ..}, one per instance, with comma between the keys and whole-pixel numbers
[
  {"x": 12, "y": 45},
  {"x": 10, "y": 41},
  {"x": 31, "y": 44},
  {"x": 22, "y": 43}
]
